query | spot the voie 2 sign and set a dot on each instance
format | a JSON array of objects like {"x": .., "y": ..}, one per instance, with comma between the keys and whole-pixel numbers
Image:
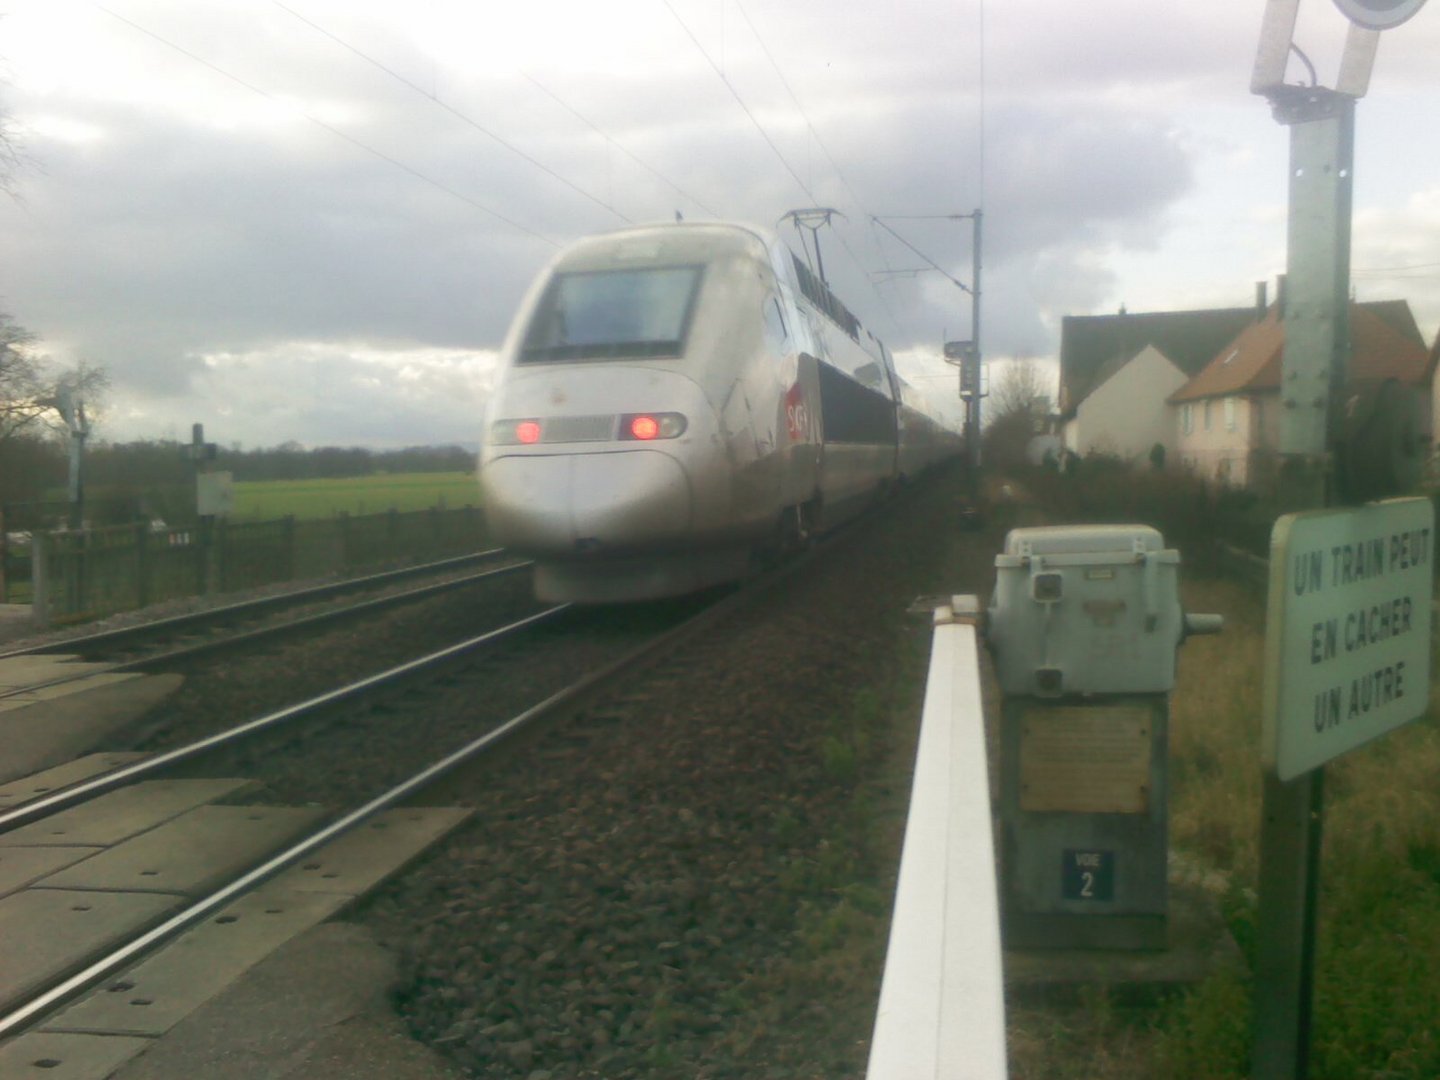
[{"x": 1347, "y": 641}]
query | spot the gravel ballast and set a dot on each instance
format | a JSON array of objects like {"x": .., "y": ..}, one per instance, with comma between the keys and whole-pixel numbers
[{"x": 694, "y": 879}]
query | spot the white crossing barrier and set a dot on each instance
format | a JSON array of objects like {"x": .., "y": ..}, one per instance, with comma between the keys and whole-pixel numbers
[{"x": 942, "y": 1001}]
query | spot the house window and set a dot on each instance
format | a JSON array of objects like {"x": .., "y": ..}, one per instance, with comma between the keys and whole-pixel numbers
[
  {"x": 1229, "y": 414},
  {"x": 1207, "y": 414},
  {"x": 1187, "y": 419}
]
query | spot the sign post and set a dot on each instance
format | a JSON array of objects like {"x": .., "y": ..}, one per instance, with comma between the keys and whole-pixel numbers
[{"x": 1314, "y": 364}]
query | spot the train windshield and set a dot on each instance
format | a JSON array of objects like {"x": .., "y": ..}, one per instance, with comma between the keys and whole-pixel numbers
[{"x": 613, "y": 313}]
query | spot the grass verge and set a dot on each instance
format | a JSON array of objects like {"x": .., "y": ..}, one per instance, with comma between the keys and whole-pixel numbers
[{"x": 304, "y": 499}]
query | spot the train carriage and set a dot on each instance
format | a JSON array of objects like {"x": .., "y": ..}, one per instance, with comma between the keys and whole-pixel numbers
[{"x": 672, "y": 399}]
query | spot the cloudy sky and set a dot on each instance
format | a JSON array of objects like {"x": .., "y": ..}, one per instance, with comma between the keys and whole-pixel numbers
[{"x": 312, "y": 219}]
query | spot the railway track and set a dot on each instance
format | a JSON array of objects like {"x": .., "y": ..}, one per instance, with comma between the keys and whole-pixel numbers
[
  {"x": 430, "y": 726},
  {"x": 164, "y": 641},
  {"x": 402, "y": 694}
]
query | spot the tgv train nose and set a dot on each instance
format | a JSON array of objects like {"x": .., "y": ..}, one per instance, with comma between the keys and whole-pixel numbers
[{"x": 567, "y": 504}]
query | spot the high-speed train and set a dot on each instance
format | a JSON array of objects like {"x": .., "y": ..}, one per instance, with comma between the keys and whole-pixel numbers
[{"x": 674, "y": 399}]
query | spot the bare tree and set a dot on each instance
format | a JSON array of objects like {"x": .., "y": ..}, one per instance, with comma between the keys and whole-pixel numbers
[
  {"x": 22, "y": 387},
  {"x": 11, "y": 155},
  {"x": 75, "y": 395},
  {"x": 1019, "y": 403},
  {"x": 33, "y": 397},
  {"x": 1020, "y": 389}
]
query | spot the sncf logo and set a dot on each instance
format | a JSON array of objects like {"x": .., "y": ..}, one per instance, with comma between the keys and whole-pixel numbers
[{"x": 797, "y": 414}]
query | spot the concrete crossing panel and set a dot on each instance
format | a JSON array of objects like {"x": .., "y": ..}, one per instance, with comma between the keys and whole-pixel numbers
[
  {"x": 50, "y": 727},
  {"x": 20, "y": 698},
  {"x": 200, "y": 849},
  {"x": 362, "y": 858},
  {"x": 122, "y": 814},
  {"x": 40, "y": 1055},
  {"x": 62, "y": 776},
  {"x": 22, "y": 672},
  {"x": 22, "y": 865},
  {"x": 47, "y": 931},
  {"x": 163, "y": 990}
]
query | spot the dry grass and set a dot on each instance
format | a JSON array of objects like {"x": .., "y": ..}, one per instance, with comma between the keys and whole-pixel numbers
[
  {"x": 1091, "y": 1040},
  {"x": 1215, "y": 732},
  {"x": 1377, "y": 992}
]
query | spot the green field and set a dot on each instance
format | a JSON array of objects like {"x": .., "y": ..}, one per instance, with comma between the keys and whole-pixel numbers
[{"x": 265, "y": 500}]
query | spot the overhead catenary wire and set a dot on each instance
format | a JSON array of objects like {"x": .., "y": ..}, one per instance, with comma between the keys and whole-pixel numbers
[
  {"x": 352, "y": 140},
  {"x": 814, "y": 200},
  {"x": 1394, "y": 269},
  {"x": 933, "y": 264},
  {"x": 720, "y": 74},
  {"x": 779, "y": 71},
  {"x": 463, "y": 117},
  {"x": 618, "y": 146}
]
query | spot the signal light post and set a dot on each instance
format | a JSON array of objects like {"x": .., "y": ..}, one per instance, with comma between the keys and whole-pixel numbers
[
  {"x": 965, "y": 355},
  {"x": 1312, "y": 388}
]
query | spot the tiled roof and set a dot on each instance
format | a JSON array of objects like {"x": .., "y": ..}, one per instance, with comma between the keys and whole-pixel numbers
[
  {"x": 1093, "y": 346},
  {"x": 1251, "y": 361},
  {"x": 1386, "y": 345},
  {"x": 1398, "y": 314}
]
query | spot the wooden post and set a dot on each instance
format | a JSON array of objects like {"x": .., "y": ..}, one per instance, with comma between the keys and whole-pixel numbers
[
  {"x": 39, "y": 580},
  {"x": 142, "y": 564},
  {"x": 291, "y": 541},
  {"x": 342, "y": 522}
]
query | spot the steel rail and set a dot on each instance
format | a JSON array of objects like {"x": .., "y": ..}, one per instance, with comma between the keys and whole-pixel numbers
[
  {"x": 45, "y": 805},
  {"x": 378, "y": 603},
  {"x": 188, "y": 652},
  {"x": 70, "y": 987},
  {"x": 314, "y": 592}
]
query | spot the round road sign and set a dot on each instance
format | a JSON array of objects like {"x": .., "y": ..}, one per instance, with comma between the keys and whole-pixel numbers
[{"x": 1378, "y": 14}]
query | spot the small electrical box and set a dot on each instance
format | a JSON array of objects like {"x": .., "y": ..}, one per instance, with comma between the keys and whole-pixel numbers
[
  {"x": 1084, "y": 624},
  {"x": 1083, "y": 609}
]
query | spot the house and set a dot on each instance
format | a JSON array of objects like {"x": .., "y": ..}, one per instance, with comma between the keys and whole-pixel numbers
[
  {"x": 1116, "y": 371},
  {"x": 1434, "y": 402},
  {"x": 1227, "y": 418}
]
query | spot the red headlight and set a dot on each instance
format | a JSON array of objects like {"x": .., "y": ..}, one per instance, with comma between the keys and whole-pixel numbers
[
  {"x": 647, "y": 426},
  {"x": 644, "y": 427}
]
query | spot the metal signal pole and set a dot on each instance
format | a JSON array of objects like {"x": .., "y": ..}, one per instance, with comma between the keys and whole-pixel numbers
[
  {"x": 962, "y": 354},
  {"x": 1313, "y": 376},
  {"x": 974, "y": 358}
]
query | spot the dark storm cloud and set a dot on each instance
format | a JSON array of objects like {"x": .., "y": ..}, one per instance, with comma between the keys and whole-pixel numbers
[
  {"x": 173, "y": 236},
  {"x": 1061, "y": 187},
  {"x": 210, "y": 241}
]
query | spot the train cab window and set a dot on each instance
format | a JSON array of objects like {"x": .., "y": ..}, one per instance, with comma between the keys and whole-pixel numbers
[
  {"x": 597, "y": 315},
  {"x": 775, "y": 330}
]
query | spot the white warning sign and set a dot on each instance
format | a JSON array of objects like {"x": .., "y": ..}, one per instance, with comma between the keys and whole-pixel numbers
[{"x": 1347, "y": 640}]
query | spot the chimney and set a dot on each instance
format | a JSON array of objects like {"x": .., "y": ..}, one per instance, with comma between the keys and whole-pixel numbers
[
  {"x": 1280, "y": 295},
  {"x": 1261, "y": 301}
]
